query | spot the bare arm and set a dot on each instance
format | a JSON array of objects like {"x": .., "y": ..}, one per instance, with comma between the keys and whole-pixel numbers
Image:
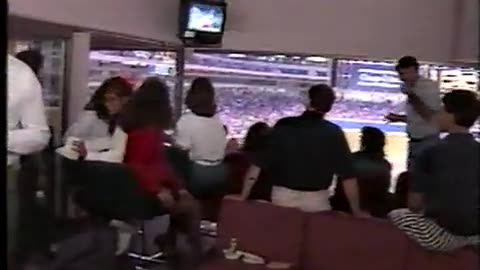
[
  {"x": 415, "y": 202},
  {"x": 402, "y": 118},
  {"x": 396, "y": 117},
  {"x": 351, "y": 192},
  {"x": 251, "y": 178},
  {"x": 345, "y": 172}
]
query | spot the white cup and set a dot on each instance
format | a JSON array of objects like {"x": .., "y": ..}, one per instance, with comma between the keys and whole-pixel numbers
[
  {"x": 67, "y": 150},
  {"x": 71, "y": 141}
]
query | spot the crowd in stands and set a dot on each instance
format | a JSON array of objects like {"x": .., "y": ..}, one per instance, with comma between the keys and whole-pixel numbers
[
  {"x": 122, "y": 167},
  {"x": 240, "y": 108},
  {"x": 256, "y": 67}
]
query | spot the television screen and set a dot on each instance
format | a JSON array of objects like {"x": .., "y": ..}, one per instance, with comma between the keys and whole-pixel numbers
[{"x": 206, "y": 18}]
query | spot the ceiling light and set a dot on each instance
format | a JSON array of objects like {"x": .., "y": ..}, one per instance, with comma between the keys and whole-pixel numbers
[{"x": 237, "y": 55}]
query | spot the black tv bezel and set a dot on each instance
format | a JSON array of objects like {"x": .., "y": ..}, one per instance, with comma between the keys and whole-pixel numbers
[{"x": 201, "y": 37}]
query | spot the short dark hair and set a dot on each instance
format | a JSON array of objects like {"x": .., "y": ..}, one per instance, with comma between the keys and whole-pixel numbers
[
  {"x": 464, "y": 105},
  {"x": 148, "y": 107},
  {"x": 373, "y": 141},
  {"x": 118, "y": 85},
  {"x": 200, "y": 98},
  {"x": 407, "y": 62},
  {"x": 33, "y": 58},
  {"x": 321, "y": 97}
]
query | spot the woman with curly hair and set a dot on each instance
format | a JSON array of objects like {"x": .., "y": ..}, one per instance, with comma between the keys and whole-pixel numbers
[{"x": 96, "y": 132}]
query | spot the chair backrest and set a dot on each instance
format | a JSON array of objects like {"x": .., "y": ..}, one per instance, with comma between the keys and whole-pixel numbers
[
  {"x": 273, "y": 232},
  {"x": 340, "y": 242},
  {"x": 421, "y": 259}
]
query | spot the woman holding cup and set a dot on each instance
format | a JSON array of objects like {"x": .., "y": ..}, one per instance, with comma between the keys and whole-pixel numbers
[{"x": 95, "y": 136}]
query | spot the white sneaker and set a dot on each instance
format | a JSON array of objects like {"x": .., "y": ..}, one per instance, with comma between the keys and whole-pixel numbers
[
  {"x": 123, "y": 226},
  {"x": 125, "y": 232},
  {"x": 123, "y": 242}
]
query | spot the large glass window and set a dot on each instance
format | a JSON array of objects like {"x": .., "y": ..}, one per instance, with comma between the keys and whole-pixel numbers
[
  {"x": 452, "y": 78},
  {"x": 133, "y": 66},
  {"x": 52, "y": 78},
  {"x": 252, "y": 88},
  {"x": 368, "y": 91},
  {"x": 53, "y": 72}
]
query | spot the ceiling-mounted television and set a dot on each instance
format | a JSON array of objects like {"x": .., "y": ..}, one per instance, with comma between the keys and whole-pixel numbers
[{"x": 202, "y": 22}]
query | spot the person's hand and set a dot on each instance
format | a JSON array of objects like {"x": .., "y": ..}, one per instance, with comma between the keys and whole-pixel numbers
[
  {"x": 184, "y": 192},
  {"x": 232, "y": 146},
  {"x": 393, "y": 117},
  {"x": 80, "y": 148},
  {"x": 235, "y": 197},
  {"x": 361, "y": 214},
  {"x": 166, "y": 198}
]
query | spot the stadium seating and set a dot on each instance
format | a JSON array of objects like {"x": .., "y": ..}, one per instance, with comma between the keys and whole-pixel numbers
[{"x": 323, "y": 241}]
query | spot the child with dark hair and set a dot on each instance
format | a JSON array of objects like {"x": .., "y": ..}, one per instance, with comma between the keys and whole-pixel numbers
[
  {"x": 443, "y": 197},
  {"x": 373, "y": 173},
  {"x": 239, "y": 162}
]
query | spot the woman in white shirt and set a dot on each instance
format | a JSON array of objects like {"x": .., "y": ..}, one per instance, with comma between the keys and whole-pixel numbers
[
  {"x": 201, "y": 132},
  {"x": 99, "y": 137}
]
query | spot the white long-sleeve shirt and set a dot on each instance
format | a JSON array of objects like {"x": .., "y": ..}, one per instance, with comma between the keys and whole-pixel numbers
[
  {"x": 115, "y": 151},
  {"x": 88, "y": 127},
  {"x": 101, "y": 146},
  {"x": 28, "y": 131}
]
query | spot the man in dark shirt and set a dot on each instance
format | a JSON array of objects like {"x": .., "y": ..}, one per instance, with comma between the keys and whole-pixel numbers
[
  {"x": 444, "y": 197},
  {"x": 303, "y": 155}
]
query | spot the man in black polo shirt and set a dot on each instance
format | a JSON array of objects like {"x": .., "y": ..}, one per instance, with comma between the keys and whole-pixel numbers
[
  {"x": 303, "y": 155},
  {"x": 444, "y": 196}
]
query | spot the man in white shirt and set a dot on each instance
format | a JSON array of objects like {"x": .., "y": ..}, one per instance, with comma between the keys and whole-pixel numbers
[
  {"x": 28, "y": 132},
  {"x": 423, "y": 102}
]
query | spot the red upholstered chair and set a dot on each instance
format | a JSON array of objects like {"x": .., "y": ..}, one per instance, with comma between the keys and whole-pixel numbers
[
  {"x": 273, "y": 232},
  {"x": 339, "y": 242},
  {"x": 421, "y": 259}
]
